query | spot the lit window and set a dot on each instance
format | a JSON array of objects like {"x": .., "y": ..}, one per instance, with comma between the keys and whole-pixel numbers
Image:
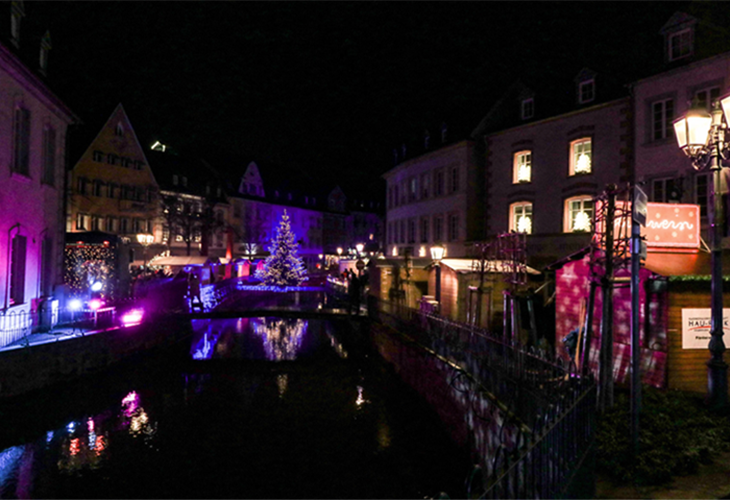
[
  {"x": 520, "y": 219},
  {"x": 522, "y": 167},
  {"x": 680, "y": 45},
  {"x": 586, "y": 91},
  {"x": 580, "y": 156},
  {"x": 528, "y": 108},
  {"x": 578, "y": 214}
]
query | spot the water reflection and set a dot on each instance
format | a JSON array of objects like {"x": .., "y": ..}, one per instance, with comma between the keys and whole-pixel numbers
[
  {"x": 282, "y": 337},
  {"x": 273, "y": 339}
]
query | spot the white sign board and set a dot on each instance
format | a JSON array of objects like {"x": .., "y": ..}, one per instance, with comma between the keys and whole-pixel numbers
[{"x": 696, "y": 324}]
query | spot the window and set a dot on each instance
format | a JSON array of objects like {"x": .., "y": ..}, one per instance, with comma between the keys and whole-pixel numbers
[
  {"x": 580, "y": 156},
  {"x": 706, "y": 97},
  {"x": 49, "y": 156},
  {"x": 702, "y": 192},
  {"x": 438, "y": 183},
  {"x": 454, "y": 179},
  {"x": 96, "y": 223},
  {"x": 662, "y": 117},
  {"x": 412, "y": 189},
  {"x": 17, "y": 270},
  {"x": 81, "y": 185},
  {"x": 528, "y": 108},
  {"x": 438, "y": 228},
  {"x": 82, "y": 222},
  {"x": 98, "y": 156},
  {"x": 112, "y": 159},
  {"x": 424, "y": 229},
  {"x": 124, "y": 225},
  {"x": 680, "y": 44},
  {"x": 395, "y": 195},
  {"x": 98, "y": 188},
  {"x": 453, "y": 227},
  {"x": 402, "y": 238},
  {"x": 578, "y": 214},
  {"x": 522, "y": 167},
  {"x": 174, "y": 179},
  {"x": 424, "y": 186},
  {"x": 411, "y": 230},
  {"x": 404, "y": 192},
  {"x": 21, "y": 150},
  {"x": 111, "y": 190},
  {"x": 46, "y": 281},
  {"x": 119, "y": 130},
  {"x": 520, "y": 218},
  {"x": 112, "y": 224},
  {"x": 586, "y": 91},
  {"x": 664, "y": 190}
]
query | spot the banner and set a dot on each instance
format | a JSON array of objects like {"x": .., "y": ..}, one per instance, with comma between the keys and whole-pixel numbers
[{"x": 696, "y": 324}]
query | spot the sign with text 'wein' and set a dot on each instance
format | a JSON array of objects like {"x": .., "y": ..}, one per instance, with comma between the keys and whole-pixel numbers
[
  {"x": 672, "y": 225},
  {"x": 668, "y": 225}
]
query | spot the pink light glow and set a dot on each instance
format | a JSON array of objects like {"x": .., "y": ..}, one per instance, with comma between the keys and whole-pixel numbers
[
  {"x": 132, "y": 317},
  {"x": 95, "y": 304}
]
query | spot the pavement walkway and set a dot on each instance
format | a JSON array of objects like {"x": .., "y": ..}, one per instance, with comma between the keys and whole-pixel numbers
[{"x": 710, "y": 481}]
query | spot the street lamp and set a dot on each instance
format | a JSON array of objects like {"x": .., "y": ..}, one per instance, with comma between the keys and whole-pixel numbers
[
  {"x": 701, "y": 136},
  {"x": 437, "y": 253},
  {"x": 359, "y": 264},
  {"x": 145, "y": 240}
]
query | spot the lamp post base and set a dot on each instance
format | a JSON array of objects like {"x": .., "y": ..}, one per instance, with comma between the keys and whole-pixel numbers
[{"x": 717, "y": 384}]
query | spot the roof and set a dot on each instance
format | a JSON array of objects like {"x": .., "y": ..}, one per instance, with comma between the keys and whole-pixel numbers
[
  {"x": 192, "y": 260},
  {"x": 196, "y": 171},
  {"x": 684, "y": 264},
  {"x": 495, "y": 266}
]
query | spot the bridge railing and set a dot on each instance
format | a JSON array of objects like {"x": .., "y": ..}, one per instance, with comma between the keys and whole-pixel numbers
[{"x": 553, "y": 402}]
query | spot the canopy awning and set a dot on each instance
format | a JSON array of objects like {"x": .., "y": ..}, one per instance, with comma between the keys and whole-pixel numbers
[
  {"x": 493, "y": 266},
  {"x": 184, "y": 260}
]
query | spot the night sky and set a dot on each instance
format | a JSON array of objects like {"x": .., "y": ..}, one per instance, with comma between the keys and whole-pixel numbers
[{"x": 331, "y": 87}]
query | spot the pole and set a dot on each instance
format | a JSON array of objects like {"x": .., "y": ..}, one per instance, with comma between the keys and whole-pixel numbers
[
  {"x": 605, "y": 388},
  {"x": 438, "y": 285},
  {"x": 635, "y": 325},
  {"x": 717, "y": 368}
]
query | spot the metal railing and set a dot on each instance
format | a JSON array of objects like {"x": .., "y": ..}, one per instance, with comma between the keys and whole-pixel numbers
[{"x": 542, "y": 412}]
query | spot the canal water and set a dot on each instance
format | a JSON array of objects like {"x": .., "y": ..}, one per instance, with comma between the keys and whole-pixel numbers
[{"x": 248, "y": 408}]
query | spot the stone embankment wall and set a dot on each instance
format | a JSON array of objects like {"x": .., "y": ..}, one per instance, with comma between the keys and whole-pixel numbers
[{"x": 29, "y": 368}]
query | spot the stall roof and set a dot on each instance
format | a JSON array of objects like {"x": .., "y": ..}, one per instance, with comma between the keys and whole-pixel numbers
[
  {"x": 467, "y": 266},
  {"x": 192, "y": 260}
]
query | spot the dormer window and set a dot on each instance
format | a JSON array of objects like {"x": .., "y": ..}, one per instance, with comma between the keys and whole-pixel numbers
[
  {"x": 45, "y": 47},
  {"x": 17, "y": 12},
  {"x": 586, "y": 91},
  {"x": 528, "y": 108},
  {"x": 174, "y": 179},
  {"x": 119, "y": 130},
  {"x": 680, "y": 44}
]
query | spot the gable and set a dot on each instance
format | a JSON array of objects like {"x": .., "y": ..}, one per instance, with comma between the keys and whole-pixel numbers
[{"x": 116, "y": 154}]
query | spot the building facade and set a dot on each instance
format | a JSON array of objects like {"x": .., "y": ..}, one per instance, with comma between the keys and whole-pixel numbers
[
  {"x": 433, "y": 199},
  {"x": 33, "y": 128},
  {"x": 112, "y": 187}
]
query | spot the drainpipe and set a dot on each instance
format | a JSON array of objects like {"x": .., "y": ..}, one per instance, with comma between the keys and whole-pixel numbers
[{"x": 7, "y": 268}]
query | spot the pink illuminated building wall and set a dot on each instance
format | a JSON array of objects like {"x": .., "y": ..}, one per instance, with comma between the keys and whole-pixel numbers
[{"x": 33, "y": 125}]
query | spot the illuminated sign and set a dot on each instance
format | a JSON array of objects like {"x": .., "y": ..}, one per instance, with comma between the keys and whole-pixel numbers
[
  {"x": 668, "y": 225},
  {"x": 672, "y": 225},
  {"x": 696, "y": 324}
]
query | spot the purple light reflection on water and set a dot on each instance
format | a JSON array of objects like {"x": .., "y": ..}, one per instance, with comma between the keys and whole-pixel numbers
[{"x": 273, "y": 339}]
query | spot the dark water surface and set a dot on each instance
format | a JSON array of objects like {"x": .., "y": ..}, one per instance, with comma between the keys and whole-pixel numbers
[{"x": 254, "y": 408}]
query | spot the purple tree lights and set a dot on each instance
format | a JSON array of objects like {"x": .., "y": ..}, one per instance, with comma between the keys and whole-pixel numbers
[{"x": 283, "y": 267}]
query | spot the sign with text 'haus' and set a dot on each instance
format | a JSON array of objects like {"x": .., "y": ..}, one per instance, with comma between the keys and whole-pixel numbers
[{"x": 696, "y": 325}]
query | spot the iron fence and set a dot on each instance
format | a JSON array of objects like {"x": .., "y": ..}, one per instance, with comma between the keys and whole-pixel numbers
[{"x": 542, "y": 411}]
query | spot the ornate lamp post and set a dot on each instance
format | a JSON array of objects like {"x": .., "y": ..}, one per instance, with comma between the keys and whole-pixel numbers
[
  {"x": 702, "y": 136},
  {"x": 437, "y": 253},
  {"x": 145, "y": 240}
]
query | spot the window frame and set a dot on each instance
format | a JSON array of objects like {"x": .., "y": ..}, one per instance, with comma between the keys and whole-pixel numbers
[
  {"x": 21, "y": 141},
  {"x": 573, "y": 155},
  {"x": 18, "y": 269},
  {"x": 678, "y": 36},
  {"x": 586, "y": 96},
  {"x": 527, "y": 108},
  {"x": 48, "y": 176},
  {"x": 568, "y": 217},
  {"x": 662, "y": 129},
  {"x": 516, "y": 166},
  {"x": 513, "y": 215}
]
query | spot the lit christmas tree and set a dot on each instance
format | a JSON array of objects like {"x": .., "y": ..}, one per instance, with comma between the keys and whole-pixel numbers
[{"x": 283, "y": 267}]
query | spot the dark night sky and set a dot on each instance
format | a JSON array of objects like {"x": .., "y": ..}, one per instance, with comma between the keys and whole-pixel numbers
[{"x": 330, "y": 86}]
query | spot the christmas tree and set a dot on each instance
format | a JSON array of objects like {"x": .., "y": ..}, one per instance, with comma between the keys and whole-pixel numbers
[{"x": 283, "y": 267}]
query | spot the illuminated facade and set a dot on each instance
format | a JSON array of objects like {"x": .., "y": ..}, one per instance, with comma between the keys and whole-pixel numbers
[
  {"x": 542, "y": 172},
  {"x": 112, "y": 188},
  {"x": 434, "y": 198},
  {"x": 33, "y": 127}
]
